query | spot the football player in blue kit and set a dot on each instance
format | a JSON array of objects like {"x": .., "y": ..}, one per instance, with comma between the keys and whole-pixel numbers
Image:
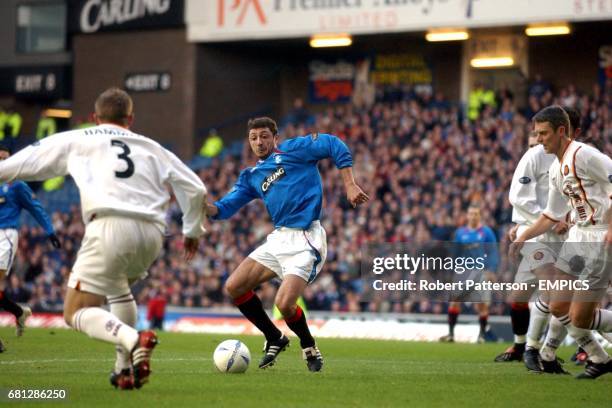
[
  {"x": 15, "y": 197},
  {"x": 287, "y": 179}
]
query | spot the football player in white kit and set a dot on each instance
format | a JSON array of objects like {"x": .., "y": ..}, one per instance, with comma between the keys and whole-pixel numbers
[
  {"x": 528, "y": 196},
  {"x": 580, "y": 176},
  {"x": 122, "y": 179}
]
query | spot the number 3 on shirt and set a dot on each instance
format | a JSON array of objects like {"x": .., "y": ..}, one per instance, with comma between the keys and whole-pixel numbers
[{"x": 126, "y": 157}]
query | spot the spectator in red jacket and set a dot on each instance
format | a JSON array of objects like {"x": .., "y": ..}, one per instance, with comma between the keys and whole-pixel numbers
[{"x": 156, "y": 309}]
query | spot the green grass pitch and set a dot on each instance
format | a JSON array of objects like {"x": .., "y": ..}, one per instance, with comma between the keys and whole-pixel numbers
[{"x": 357, "y": 373}]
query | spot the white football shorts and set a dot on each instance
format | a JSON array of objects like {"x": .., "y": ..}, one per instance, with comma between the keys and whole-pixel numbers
[
  {"x": 586, "y": 256},
  {"x": 8, "y": 248},
  {"x": 293, "y": 251},
  {"x": 114, "y": 251},
  {"x": 537, "y": 252}
]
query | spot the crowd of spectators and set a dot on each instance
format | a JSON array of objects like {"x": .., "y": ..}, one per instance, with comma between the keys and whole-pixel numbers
[{"x": 418, "y": 157}]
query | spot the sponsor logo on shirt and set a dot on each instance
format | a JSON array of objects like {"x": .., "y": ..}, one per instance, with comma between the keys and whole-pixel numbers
[
  {"x": 578, "y": 201},
  {"x": 278, "y": 174},
  {"x": 525, "y": 180}
]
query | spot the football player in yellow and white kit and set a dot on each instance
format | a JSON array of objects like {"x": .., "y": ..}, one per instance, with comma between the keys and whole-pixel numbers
[
  {"x": 122, "y": 179},
  {"x": 580, "y": 176}
]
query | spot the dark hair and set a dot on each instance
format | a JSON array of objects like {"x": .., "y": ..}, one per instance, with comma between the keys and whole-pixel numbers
[
  {"x": 475, "y": 206},
  {"x": 263, "y": 122},
  {"x": 5, "y": 148},
  {"x": 555, "y": 115},
  {"x": 574, "y": 118},
  {"x": 114, "y": 106}
]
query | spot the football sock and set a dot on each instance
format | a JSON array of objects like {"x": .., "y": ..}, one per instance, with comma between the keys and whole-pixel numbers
[
  {"x": 555, "y": 336},
  {"x": 250, "y": 306},
  {"x": 297, "y": 323},
  {"x": 483, "y": 320},
  {"x": 585, "y": 339},
  {"x": 602, "y": 320},
  {"x": 124, "y": 307},
  {"x": 519, "y": 315},
  {"x": 540, "y": 314},
  {"x": 102, "y": 325},
  {"x": 453, "y": 315},
  {"x": 10, "y": 306}
]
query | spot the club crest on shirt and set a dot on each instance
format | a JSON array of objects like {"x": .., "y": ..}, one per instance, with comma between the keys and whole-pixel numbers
[
  {"x": 272, "y": 178},
  {"x": 525, "y": 180},
  {"x": 566, "y": 170},
  {"x": 538, "y": 256},
  {"x": 278, "y": 159}
]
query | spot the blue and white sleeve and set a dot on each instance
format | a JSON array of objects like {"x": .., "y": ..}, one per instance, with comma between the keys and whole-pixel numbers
[
  {"x": 319, "y": 146},
  {"x": 240, "y": 195},
  {"x": 26, "y": 199}
]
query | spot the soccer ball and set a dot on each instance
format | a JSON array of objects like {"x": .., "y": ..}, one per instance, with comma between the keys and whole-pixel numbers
[{"x": 232, "y": 356}]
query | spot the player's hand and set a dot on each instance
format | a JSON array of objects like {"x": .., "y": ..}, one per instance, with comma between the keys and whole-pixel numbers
[
  {"x": 210, "y": 210},
  {"x": 55, "y": 241},
  {"x": 515, "y": 249},
  {"x": 191, "y": 247},
  {"x": 560, "y": 228},
  {"x": 355, "y": 195},
  {"x": 512, "y": 232}
]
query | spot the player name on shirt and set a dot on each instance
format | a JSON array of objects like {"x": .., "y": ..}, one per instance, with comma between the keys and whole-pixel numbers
[{"x": 106, "y": 131}]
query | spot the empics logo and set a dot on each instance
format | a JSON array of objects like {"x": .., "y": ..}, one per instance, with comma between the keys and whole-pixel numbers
[
  {"x": 233, "y": 12},
  {"x": 278, "y": 174}
]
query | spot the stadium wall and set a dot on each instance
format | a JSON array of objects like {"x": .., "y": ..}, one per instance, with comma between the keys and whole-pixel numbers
[
  {"x": 573, "y": 61},
  {"x": 264, "y": 77},
  {"x": 166, "y": 115}
]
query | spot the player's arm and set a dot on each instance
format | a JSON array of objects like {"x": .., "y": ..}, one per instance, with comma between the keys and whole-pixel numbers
[
  {"x": 39, "y": 161},
  {"x": 354, "y": 193},
  {"x": 240, "y": 195},
  {"x": 322, "y": 146},
  {"x": 599, "y": 167},
  {"x": 523, "y": 187},
  {"x": 190, "y": 194},
  {"x": 25, "y": 197}
]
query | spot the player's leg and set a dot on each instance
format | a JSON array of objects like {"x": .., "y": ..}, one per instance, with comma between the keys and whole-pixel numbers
[
  {"x": 8, "y": 250},
  {"x": 240, "y": 286},
  {"x": 124, "y": 307},
  {"x": 519, "y": 317},
  {"x": 83, "y": 312},
  {"x": 599, "y": 361},
  {"x": 112, "y": 250},
  {"x": 286, "y": 300},
  {"x": 454, "y": 309},
  {"x": 559, "y": 305},
  {"x": 483, "y": 320}
]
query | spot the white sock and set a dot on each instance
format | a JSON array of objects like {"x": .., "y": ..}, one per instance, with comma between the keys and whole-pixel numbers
[
  {"x": 124, "y": 307},
  {"x": 519, "y": 339},
  {"x": 538, "y": 319},
  {"x": 585, "y": 339},
  {"x": 102, "y": 325},
  {"x": 602, "y": 320},
  {"x": 554, "y": 337}
]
